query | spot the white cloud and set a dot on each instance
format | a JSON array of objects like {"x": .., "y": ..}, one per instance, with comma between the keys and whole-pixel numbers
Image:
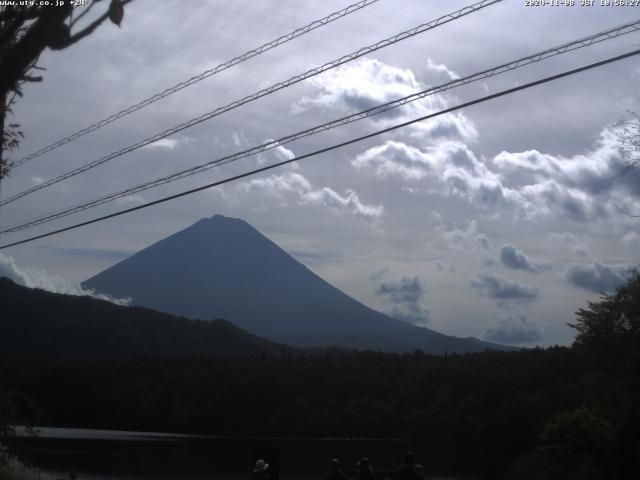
[
  {"x": 435, "y": 215},
  {"x": 34, "y": 278},
  {"x": 297, "y": 185},
  {"x": 131, "y": 200},
  {"x": 240, "y": 140},
  {"x": 530, "y": 184},
  {"x": 440, "y": 70},
  {"x": 167, "y": 143},
  {"x": 359, "y": 85},
  {"x": 278, "y": 154},
  {"x": 367, "y": 83}
]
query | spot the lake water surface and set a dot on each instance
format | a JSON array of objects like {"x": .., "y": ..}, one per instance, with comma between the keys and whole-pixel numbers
[{"x": 121, "y": 455}]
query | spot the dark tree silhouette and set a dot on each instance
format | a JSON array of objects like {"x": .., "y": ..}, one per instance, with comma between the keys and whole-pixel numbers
[
  {"x": 628, "y": 132},
  {"x": 609, "y": 330},
  {"x": 25, "y": 32}
]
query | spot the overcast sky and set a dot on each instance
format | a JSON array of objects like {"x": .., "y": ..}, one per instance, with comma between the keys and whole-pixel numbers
[{"x": 491, "y": 222}]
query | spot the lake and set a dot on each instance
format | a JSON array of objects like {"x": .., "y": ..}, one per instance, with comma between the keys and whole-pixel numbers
[{"x": 121, "y": 455}]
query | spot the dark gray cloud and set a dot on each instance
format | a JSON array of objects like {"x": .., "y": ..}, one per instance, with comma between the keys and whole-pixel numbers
[
  {"x": 379, "y": 275},
  {"x": 503, "y": 290},
  {"x": 516, "y": 259},
  {"x": 512, "y": 330},
  {"x": 445, "y": 266},
  {"x": 406, "y": 299},
  {"x": 483, "y": 240},
  {"x": 599, "y": 277}
]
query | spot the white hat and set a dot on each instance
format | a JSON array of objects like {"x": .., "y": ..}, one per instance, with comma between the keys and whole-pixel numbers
[{"x": 261, "y": 465}]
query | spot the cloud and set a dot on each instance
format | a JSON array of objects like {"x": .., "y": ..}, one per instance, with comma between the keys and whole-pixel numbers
[
  {"x": 131, "y": 200},
  {"x": 367, "y": 83},
  {"x": 39, "y": 279},
  {"x": 396, "y": 158},
  {"x": 632, "y": 239},
  {"x": 435, "y": 216},
  {"x": 277, "y": 154},
  {"x": 438, "y": 72},
  {"x": 512, "y": 330},
  {"x": 599, "y": 277},
  {"x": 380, "y": 274},
  {"x": 406, "y": 299},
  {"x": 163, "y": 143},
  {"x": 450, "y": 166},
  {"x": 503, "y": 290},
  {"x": 359, "y": 85},
  {"x": 240, "y": 140},
  {"x": 579, "y": 187},
  {"x": 531, "y": 184},
  {"x": 467, "y": 239},
  {"x": 298, "y": 185},
  {"x": 516, "y": 259},
  {"x": 445, "y": 266}
]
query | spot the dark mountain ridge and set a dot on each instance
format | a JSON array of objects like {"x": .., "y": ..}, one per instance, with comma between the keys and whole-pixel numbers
[
  {"x": 38, "y": 325},
  {"x": 224, "y": 268}
]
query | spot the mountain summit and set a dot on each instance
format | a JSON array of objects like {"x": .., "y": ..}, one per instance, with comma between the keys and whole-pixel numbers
[{"x": 224, "y": 268}]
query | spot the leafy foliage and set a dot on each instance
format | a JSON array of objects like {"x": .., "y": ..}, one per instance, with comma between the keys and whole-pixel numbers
[
  {"x": 579, "y": 443},
  {"x": 11, "y": 468},
  {"x": 609, "y": 330}
]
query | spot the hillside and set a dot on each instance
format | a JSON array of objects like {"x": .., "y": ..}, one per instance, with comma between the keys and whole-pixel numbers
[{"x": 40, "y": 325}]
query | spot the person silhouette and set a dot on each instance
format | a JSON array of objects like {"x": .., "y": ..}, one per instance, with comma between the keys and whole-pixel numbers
[
  {"x": 260, "y": 471},
  {"x": 335, "y": 472},
  {"x": 365, "y": 471},
  {"x": 406, "y": 469}
]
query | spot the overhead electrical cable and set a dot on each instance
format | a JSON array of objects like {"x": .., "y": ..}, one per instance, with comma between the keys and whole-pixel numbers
[
  {"x": 274, "y": 88},
  {"x": 298, "y": 32},
  {"x": 331, "y": 148},
  {"x": 519, "y": 63}
]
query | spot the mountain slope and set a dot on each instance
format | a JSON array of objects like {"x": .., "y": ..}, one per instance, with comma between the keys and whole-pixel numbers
[
  {"x": 223, "y": 268},
  {"x": 38, "y": 325}
]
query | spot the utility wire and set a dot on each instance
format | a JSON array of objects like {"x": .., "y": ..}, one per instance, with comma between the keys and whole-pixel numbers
[
  {"x": 195, "y": 79},
  {"x": 519, "y": 63},
  {"x": 332, "y": 147},
  {"x": 274, "y": 88}
]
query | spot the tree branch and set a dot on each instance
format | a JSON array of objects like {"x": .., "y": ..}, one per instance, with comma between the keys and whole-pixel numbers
[
  {"x": 84, "y": 12},
  {"x": 88, "y": 30}
]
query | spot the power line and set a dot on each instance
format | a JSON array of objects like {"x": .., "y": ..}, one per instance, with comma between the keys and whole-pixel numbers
[
  {"x": 195, "y": 79},
  {"x": 519, "y": 63},
  {"x": 274, "y": 88},
  {"x": 333, "y": 147}
]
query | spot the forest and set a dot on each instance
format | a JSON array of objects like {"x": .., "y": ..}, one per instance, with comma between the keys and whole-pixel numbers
[{"x": 561, "y": 412}]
